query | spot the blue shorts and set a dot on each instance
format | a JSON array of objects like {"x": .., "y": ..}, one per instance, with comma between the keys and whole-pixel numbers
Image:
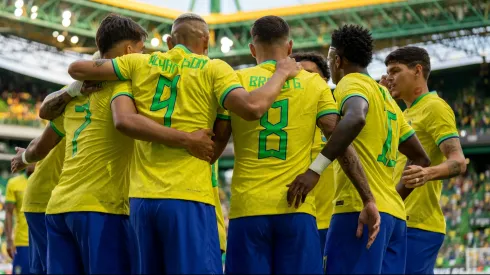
[
  {"x": 38, "y": 242},
  {"x": 274, "y": 244},
  {"x": 323, "y": 241},
  {"x": 89, "y": 243},
  {"x": 176, "y": 237},
  {"x": 422, "y": 249},
  {"x": 20, "y": 264},
  {"x": 348, "y": 255}
]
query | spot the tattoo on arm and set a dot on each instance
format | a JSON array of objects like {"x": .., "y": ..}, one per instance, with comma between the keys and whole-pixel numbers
[
  {"x": 350, "y": 163},
  {"x": 54, "y": 105},
  {"x": 455, "y": 162},
  {"x": 100, "y": 62}
]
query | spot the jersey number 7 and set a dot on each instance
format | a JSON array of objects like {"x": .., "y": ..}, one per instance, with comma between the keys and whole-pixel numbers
[{"x": 168, "y": 103}]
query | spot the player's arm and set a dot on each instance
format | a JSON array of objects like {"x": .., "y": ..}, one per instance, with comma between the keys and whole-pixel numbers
[
  {"x": 222, "y": 133},
  {"x": 253, "y": 105},
  {"x": 54, "y": 104},
  {"x": 416, "y": 155},
  {"x": 10, "y": 202},
  {"x": 355, "y": 110},
  {"x": 442, "y": 129},
  {"x": 130, "y": 123},
  {"x": 38, "y": 148},
  {"x": 100, "y": 69}
]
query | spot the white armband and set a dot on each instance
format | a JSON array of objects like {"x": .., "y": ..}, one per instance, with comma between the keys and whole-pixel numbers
[
  {"x": 319, "y": 164},
  {"x": 24, "y": 160}
]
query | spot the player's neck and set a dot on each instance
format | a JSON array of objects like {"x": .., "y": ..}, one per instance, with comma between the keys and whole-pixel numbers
[
  {"x": 111, "y": 55},
  {"x": 270, "y": 56},
  {"x": 417, "y": 92},
  {"x": 355, "y": 69}
]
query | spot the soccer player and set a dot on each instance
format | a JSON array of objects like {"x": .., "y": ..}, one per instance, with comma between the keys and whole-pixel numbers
[
  {"x": 317, "y": 63},
  {"x": 433, "y": 120},
  {"x": 87, "y": 215},
  {"x": 374, "y": 124},
  {"x": 265, "y": 234},
  {"x": 172, "y": 202},
  {"x": 17, "y": 238},
  {"x": 36, "y": 197}
]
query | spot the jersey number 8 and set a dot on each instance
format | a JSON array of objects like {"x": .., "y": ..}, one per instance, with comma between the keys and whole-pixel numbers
[{"x": 274, "y": 129}]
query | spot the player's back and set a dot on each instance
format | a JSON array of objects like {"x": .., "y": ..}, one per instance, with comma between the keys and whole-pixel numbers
[
  {"x": 376, "y": 145},
  {"x": 271, "y": 152},
  {"x": 45, "y": 177},
  {"x": 95, "y": 174},
  {"x": 182, "y": 90}
]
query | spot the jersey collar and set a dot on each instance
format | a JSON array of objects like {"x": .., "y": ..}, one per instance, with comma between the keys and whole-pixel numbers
[
  {"x": 422, "y": 96},
  {"x": 273, "y": 62},
  {"x": 182, "y": 47}
]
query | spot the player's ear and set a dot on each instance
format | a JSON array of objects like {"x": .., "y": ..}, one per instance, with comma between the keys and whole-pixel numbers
[
  {"x": 252, "y": 49},
  {"x": 170, "y": 44},
  {"x": 205, "y": 44},
  {"x": 419, "y": 70},
  {"x": 290, "y": 47}
]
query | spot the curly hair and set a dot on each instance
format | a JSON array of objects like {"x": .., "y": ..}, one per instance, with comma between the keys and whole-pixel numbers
[
  {"x": 411, "y": 56},
  {"x": 269, "y": 29},
  {"x": 114, "y": 29},
  {"x": 319, "y": 59},
  {"x": 355, "y": 43}
]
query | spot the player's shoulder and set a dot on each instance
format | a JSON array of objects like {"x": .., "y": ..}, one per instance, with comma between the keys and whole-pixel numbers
[
  {"x": 12, "y": 182},
  {"x": 435, "y": 104},
  {"x": 116, "y": 86}
]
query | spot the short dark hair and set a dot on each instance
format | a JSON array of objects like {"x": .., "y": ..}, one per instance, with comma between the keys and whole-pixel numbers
[
  {"x": 355, "y": 43},
  {"x": 114, "y": 29},
  {"x": 319, "y": 59},
  {"x": 269, "y": 29},
  {"x": 411, "y": 56}
]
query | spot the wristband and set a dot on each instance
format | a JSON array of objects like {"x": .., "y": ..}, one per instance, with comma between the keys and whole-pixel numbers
[
  {"x": 24, "y": 160},
  {"x": 74, "y": 89},
  {"x": 319, "y": 164}
]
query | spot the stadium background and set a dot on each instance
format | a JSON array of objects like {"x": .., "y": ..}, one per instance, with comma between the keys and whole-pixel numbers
[{"x": 40, "y": 38}]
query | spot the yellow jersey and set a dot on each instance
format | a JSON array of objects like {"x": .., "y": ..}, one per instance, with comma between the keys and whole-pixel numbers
[
  {"x": 219, "y": 211},
  {"x": 95, "y": 174},
  {"x": 272, "y": 151},
  {"x": 15, "y": 194},
  {"x": 434, "y": 122},
  {"x": 324, "y": 191},
  {"x": 376, "y": 145},
  {"x": 46, "y": 176},
  {"x": 182, "y": 90}
]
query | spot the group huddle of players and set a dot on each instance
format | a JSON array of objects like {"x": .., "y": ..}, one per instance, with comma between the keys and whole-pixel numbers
[{"x": 123, "y": 181}]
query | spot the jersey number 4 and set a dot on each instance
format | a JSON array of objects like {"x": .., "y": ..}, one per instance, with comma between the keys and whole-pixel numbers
[
  {"x": 274, "y": 129},
  {"x": 168, "y": 103}
]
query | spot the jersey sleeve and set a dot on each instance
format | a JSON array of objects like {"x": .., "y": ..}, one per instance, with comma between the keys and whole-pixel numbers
[
  {"x": 10, "y": 192},
  {"x": 223, "y": 79},
  {"x": 406, "y": 131},
  {"x": 223, "y": 114},
  {"x": 442, "y": 124},
  {"x": 58, "y": 126},
  {"x": 127, "y": 65},
  {"x": 326, "y": 102},
  {"x": 122, "y": 88},
  {"x": 348, "y": 90}
]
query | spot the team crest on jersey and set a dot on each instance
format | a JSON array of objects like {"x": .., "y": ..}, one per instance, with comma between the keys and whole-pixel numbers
[
  {"x": 410, "y": 122},
  {"x": 324, "y": 139}
]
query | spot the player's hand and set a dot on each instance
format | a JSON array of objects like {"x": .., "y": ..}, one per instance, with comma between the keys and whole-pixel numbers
[
  {"x": 16, "y": 164},
  {"x": 289, "y": 67},
  {"x": 200, "y": 144},
  {"x": 384, "y": 81},
  {"x": 300, "y": 187},
  {"x": 11, "y": 248},
  {"x": 415, "y": 176},
  {"x": 89, "y": 87},
  {"x": 369, "y": 216}
]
